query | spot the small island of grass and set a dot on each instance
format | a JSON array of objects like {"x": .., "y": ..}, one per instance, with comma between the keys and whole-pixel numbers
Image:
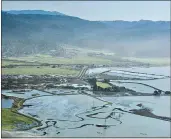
[{"x": 103, "y": 85}]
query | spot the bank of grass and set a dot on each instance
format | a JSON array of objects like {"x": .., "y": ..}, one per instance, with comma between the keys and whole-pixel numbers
[
  {"x": 18, "y": 103},
  {"x": 10, "y": 116},
  {"x": 10, "y": 119},
  {"x": 39, "y": 71},
  {"x": 103, "y": 85},
  {"x": 155, "y": 61},
  {"x": 56, "y": 60}
]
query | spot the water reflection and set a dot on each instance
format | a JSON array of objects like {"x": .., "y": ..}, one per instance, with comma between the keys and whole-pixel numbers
[{"x": 73, "y": 116}]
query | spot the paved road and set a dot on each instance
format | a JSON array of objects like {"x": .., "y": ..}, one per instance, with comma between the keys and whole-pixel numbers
[{"x": 82, "y": 72}]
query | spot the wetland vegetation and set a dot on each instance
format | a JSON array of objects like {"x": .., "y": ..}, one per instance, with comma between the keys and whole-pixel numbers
[{"x": 12, "y": 120}]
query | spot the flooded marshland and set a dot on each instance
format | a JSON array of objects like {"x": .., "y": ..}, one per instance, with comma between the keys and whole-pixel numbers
[
  {"x": 79, "y": 115},
  {"x": 67, "y": 113}
]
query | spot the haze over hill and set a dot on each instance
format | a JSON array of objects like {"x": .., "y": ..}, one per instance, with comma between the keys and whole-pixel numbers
[
  {"x": 17, "y": 12},
  {"x": 36, "y": 31}
]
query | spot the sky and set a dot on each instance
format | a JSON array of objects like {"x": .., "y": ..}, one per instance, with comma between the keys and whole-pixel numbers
[{"x": 99, "y": 10}]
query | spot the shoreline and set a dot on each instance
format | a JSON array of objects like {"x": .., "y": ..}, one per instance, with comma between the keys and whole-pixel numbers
[{"x": 17, "y": 105}]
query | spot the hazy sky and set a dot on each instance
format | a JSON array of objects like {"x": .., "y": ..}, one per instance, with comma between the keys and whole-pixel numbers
[{"x": 99, "y": 10}]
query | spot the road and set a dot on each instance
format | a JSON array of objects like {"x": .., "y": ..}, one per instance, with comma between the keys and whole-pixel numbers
[{"x": 82, "y": 72}]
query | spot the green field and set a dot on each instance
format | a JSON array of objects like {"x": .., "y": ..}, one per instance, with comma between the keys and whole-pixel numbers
[
  {"x": 6, "y": 62},
  {"x": 56, "y": 60},
  {"x": 38, "y": 71},
  {"x": 10, "y": 119},
  {"x": 103, "y": 85},
  {"x": 155, "y": 61}
]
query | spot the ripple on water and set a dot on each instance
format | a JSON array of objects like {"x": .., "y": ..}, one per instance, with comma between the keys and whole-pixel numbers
[{"x": 83, "y": 116}]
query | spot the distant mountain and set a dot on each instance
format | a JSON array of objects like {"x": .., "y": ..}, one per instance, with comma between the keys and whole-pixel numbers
[
  {"x": 42, "y": 12},
  {"x": 38, "y": 33}
]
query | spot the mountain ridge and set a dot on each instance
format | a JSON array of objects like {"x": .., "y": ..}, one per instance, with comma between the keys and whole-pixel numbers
[
  {"x": 43, "y": 12},
  {"x": 46, "y": 12},
  {"x": 31, "y": 33}
]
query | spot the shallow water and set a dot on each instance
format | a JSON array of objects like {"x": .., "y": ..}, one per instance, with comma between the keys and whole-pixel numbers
[
  {"x": 151, "y": 70},
  {"x": 84, "y": 116},
  {"x": 62, "y": 91},
  {"x": 25, "y": 94},
  {"x": 128, "y": 75},
  {"x": 135, "y": 73},
  {"x": 160, "y": 105},
  {"x": 74, "y": 116},
  {"x": 7, "y": 103},
  {"x": 136, "y": 87},
  {"x": 157, "y": 71},
  {"x": 96, "y": 70},
  {"x": 163, "y": 84}
]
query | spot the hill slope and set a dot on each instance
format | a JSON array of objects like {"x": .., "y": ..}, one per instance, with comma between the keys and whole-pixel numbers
[{"x": 38, "y": 33}]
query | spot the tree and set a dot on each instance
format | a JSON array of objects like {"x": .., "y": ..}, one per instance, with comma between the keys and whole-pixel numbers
[
  {"x": 93, "y": 81},
  {"x": 106, "y": 80}
]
